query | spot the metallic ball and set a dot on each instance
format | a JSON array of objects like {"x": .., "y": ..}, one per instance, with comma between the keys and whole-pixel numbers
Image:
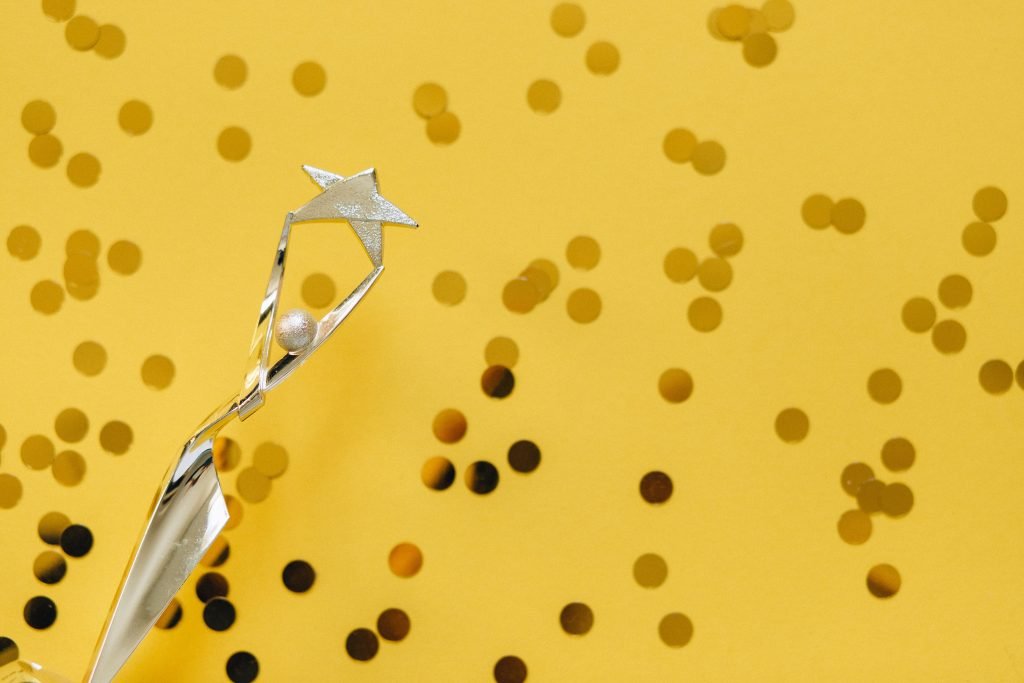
[{"x": 295, "y": 330}]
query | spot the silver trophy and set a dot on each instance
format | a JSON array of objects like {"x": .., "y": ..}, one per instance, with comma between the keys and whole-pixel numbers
[{"x": 189, "y": 509}]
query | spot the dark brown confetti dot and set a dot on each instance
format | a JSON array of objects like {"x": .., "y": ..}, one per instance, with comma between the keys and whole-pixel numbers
[
  {"x": 576, "y": 618},
  {"x": 298, "y": 576},
  {"x": 656, "y": 487},
  {"x": 498, "y": 381},
  {"x": 438, "y": 473},
  {"x": 51, "y": 526},
  {"x": 211, "y": 585},
  {"x": 510, "y": 669},
  {"x": 242, "y": 667},
  {"x": 884, "y": 581},
  {"x": 49, "y": 567},
  {"x": 393, "y": 624},
  {"x": 450, "y": 426},
  {"x": 76, "y": 540},
  {"x": 482, "y": 477},
  {"x": 171, "y": 616},
  {"x": 40, "y": 612},
  {"x": 996, "y": 376},
  {"x": 362, "y": 644},
  {"x": 219, "y": 614},
  {"x": 524, "y": 456},
  {"x": 8, "y": 651}
]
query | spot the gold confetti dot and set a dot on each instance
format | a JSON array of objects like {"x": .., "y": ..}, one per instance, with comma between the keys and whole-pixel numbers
[
  {"x": 69, "y": 468},
  {"x": 235, "y": 512},
  {"x": 89, "y": 358},
  {"x": 792, "y": 425},
  {"x": 83, "y": 169},
  {"x": 567, "y": 19},
  {"x": 318, "y": 290},
  {"x": 111, "y": 41},
  {"x": 171, "y": 615},
  {"x": 37, "y": 452},
  {"x": 23, "y": 242},
  {"x": 309, "y": 79},
  {"x": 1020, "y": 375},
  {"x": 602, "y": 58},
  {"x": 230, "y": 71},
  {"x": 405, "y": 560},
  {"x": 47, "y": 297},
  {"x": 124, "y": 257},
  {"x": 726, "y": 239},
  {"x": 583, "y": 252},
  {"x": 996, "y": 376},
  {"x": 135, "y": 117},
  {"x": 884, "y": 581},
  {"x": 734, "y": 22},
  {"x": 217, "y": 554},
  {"x": 918, "y": 314},
  {"x": 869, "y": 495},
  {"x": 576, "y": 619},
  {"x": 437, "y": 473},
  {"x": 714, "y": 274},
  {"x": 650, "y": 570},
  {"x": 713, "y": 24},
  {"x": 59, "y": 10},
  {"x": 854, "y": 527},
  {"x": 116, "y": 437},
  {"x": 854, "y": 475},
  {"x": 82, "y": 33},
  {"x": 989, "y": 204},
  {"x": 10, "y": 491},
  {"x": 759, "y": 49},
  {"x": 520, "y": 295},
  {"x": 234, "y": 143},
  {"x": 949, "y": 336},
  {"x": 539, "y": 280},
  {"x": 38, "y": 117},
  {"x": 81, "y": 276},
  {"x": 955, "y": 291},
  {"x": 779, "y": 14},
  {"x": 848, "y": 216},
  {"x": 226, "y": 454},
  {"x": 817, "y": 211},
  {"x": 549, "y": 268},
  {"x": 501, "y": 351},
  {"x": 679, "y": 144},
  {"x": 675, "y": 630},
  {"x": 253, "y": 486},
  {"x": 544, "y": 96},
  {"x": 584, "y": 305},
  {"x": 897, "y": 500},
  {"x": 157, "y": 371},
  {"x": 83, "y": 242},
  {"x": 675, "y": 385},
  {"x": 71, "y": 425},
  {"x": 449, "y": 426},
  {"x": 979, "y": 239},
  {"x": 708, "y": 157},
  {"x": 444, "y": 128},
  {"x": 758, "y": 21},
  {"x": 704, "y": 314},
  {"x": 429, "y": 100},
  {"x": 270, "y": 459},
  {"x": 680, "y": 265},
  {"x": 898, "y": 454},
  {"x": 884, "y": 385},
  {"x": 51, "y": 526},
  {"x": 45, "y": 150}
]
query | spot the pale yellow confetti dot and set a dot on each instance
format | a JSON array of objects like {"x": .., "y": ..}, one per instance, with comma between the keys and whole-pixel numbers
[
  {"x": 449, "y": 288},
  {"x": 817, "y": 211},
  {"x": 111, "y": 42},
  {"x": 501, "y": 351},
  {"x": 708, "y": 157},
  {"x": 679, "y": 144},
  {"x": 779, "y": 14},
  {"x": 704, "y": 314},
  {"x": 253, "y": 486},
  {"x": 444, "y": 128},
  {"x": 309, "y": 79},
  {"x": 429, "y": 100},
  {"x": 680, "y": 265},
  {"x": 318, "y": 290},
  {"x": 848, "y": 216},
  {"x": 602, "y": 58},
  {"x": 69, "y": 468},
  {"x": 519, "y": 295},
  {"x": 116, "y": 437},
  {"x": 996, "y": 376},
  {"x": 918, "y": 314},
  {"x": 10, "y": 491},
  {"x": 158, "y": 372},
  {"x": 71, "y": 425},
  {"x": 714, "y": 274},
  {"x": 135, "y": 117},
  {"x": 792, "y": 425},
  {"x": 59, "y": 10},
  {"x": 89, "y": 358},
  {"x": 37, "y": 452},
  {"x": 675, "y": 385},
  {"x": 979, "y": 239},
  {"x": 584, "y": 305},
  {"x": 734, "y": 22},
  {"x": 234, "y": 143},
  {"x": 47, "y": 297},
  {"x": 567, "y": 19},
  {"x": 949, "y": 336},
  {"x": 45, "y": 150},
  {"x": 544, "y": 96},
  {"x": 124, "y": 257},
  {"x": 726, "y": 239},
  {"x": 650, "y": 570},
  {"x": 989, "y": 204},
  {"x": 759, "y": 49},
  {"x": 23, "y": 242},
  {"x": 583, "y": 252},
  {"x": 83, "y": 169},
  {"x": 955, "y": 291},
  {"x": 82, "y": 33},
  {"x": 675, "y": 630},
  {"x": 230, "y": 71},
  {"x": 884, "y": 385},
  {"x": 38, "y": 117},
  {"x": 270, "y": 459}
]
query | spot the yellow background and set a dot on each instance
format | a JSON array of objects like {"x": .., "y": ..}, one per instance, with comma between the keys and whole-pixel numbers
[{"x": 909, "y": 107}]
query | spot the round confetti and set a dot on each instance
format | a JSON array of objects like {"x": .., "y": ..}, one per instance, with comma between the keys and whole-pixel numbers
[
  {"x": 116, "y": 437},
  {"x": 40, "y": 612},
  {"x": 540, "y": 281},
  {"x": 481, "y": 477},
  {"x": 656, "y": 487},
  {"x": 779, "y": 14},
  {"x": 89, "y": 358},
  {"x": 449, "y": 426},
  {"x": 726, "y": 239},
  {"x": 393, "y": 624},
  {"x": 501, "y": 351},
  {"x": 171, "y": 615},
  {"x": 124, "y": 257},
  {"x": 83, "y": 243},
  {"x": 884, "y": 385},
  {"x": 230, "y": 71},
  {"x": 38, "y": 117},
  {"x": 759, "y": 49},
  {"x": 82, "y": 33},
  {"x": 76, "y": 540},
  {"x": 520, "y": 295},
  {"x": 734, "y": 22},
  {"x": 584, "y": 305},
  {"x": 235, "y": 512},
  {"x": 219, "y": 614},
  {"x": 135, "y": 117},
  {"x": 714, "y": 274},
  {"x": 497, "y": 381},
  {"x": 405, "y": 560},
  {"x": 37, "y": 452},
  {"x": 848, "y": 216},
  {"x": 83, "y": 170},
  {"x": 918, "y": 314},
  {"x": 989, "y": 204},
  {"x": 111, "y": 41},
  {"x": 854, "y": 527},
  {"x": 869, "y": 496},
  {"x": 309, "y": 79},
  {"x": 708, "y": 157},
  {"x": 253, "y": 486},
  {"x": 524, "y": 456},
  {"x": 679, "y": 144},
  {"x": 429, "y": 100},
  {"x": 217, "y": 554},
  {"x": 444, "y": 128},
  {"x": 438, "y": 473},
  {"x": 10, "y": 490},
  {"x": 510, "y": 669},
  {"x": 543, "y": 96},
  {"x": 955, "y": 291},
  {"x": 853, "y": 477},
  {"x": 979, "y": 239},
  {"x": 792, "y": 425},
  {"x": 71, "y": 425},
  {"x": 270, "y": 459},
  {"x": 318, "y": 290},
  {"x": 576, "y": 618},
  {"x": 69, "y": 468},
  {"x": 8, "y": 651},
  {"x": 211, "y": 585},
  {"x": 567, "y": 19},
  {"x": 704, "y": 314},
  {"x": 242, "y": 667},
  {"x": 45, "y": 151},
  {"x": 675, "y": 629},
  {"x": 362, "y": 644},
  {"x": 650, "y": 570},
  {"x": 234, "y": 143},
  {"x": 549, "y": 269},
  {"x": 47, "y": 297},
  {"x": 675, "y": 385},
  {"x": 949, "y": 336},
  {"x": 897, "y": 500},
  {"x": 59, "y": 10},
  {"x": 996, "y": 376},
  {"x": 602, "y": 58},
  {"x": 23, "y": 242},
  {"x": 680, "y": 265},
  {"x": 817, "y": 211},
  {"x": 898, "y": 454},
  {"x": 884, "y": 581},
  {"x": 449, "y": 288},
  {"x": 157, "y": 372},
  {"x": 583, "y": 252},
  {"x": 51, "y": 526}
]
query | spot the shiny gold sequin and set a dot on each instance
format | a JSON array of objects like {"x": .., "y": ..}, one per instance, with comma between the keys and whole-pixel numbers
[
  {"x": 253, "y": 486},
  {"x": 234, "y": 143},
  {"x": 567, "y": 19},
  {"x": 83, "y": 170},
  {"x": 792, "y": 425},
  {"x": 89, "y": 358},
  {"x": 650, "y": 570},
  {"x": 116, "y": 437},
  {"x": 576, "y": 619},
  {"x": 675, "y": 630},
  {"x": 898, "y": 454},
  {"x": 704, "y": 314},
  {"x": 955, "y": 291},
  {"x": 71, "y": 425},
  {"x": 309, "y": 79},
  {"x": 884, "y": 581},
  {"x": 449, "y": 426},
  {"x": 583, "y": 252},
  {"x": 270, "y": 459},
  {"x": 584, "y": 305},
  {"x": 979, "y": 239},
  {"x": 157, "y": 371},
  {"x": 38, "y": 117},
  {"x": 449, "y": 288},
  {"x": 111, "y": 41},
  {"x": 949, "y": 336},
  {"x": 230, "y": 71},
  {"x": 996, "y": 376},
  {"x": 989, "y": 204},
  {"x": 405, "y": 560},
  {"x": 82, "y": 33},
  {"x": 602, "y": 58},
  {"x": 884, "y": 385},
  {"x": 544, "y": 96},
  {"x": 854, "y": 527},
  {"x": 23, "y": 242},
  {"x": 501, "y": 351},
  {"x": 124, "y": 257},
  {"x": 135, "y": 117},
  {"x": 675, "y": 385},
  {"x": 37, "y": 452},
  {"x": 918, "y": 314},
  {"x": 680, "y": 265}
]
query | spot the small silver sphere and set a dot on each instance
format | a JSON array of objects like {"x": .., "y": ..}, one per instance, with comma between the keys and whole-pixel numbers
[{"x": 295, "y": 330}]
